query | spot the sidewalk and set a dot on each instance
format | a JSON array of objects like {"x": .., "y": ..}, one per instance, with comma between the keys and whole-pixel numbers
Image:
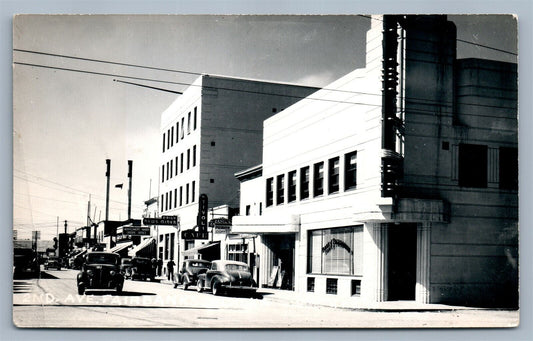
[{"x": 351, "y": 303}]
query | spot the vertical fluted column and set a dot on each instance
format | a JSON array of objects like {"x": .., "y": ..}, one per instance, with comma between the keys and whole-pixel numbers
[{"x": 423, "y": 256}]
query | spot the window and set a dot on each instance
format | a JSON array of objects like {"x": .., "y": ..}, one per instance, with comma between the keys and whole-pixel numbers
[
  {"x": 164, "y": 142},
  {"x": 304, "y": 183},
  {"x": 194, "y": 118},
  {"x": 188, "y": 158},
  {"x": 508, "y": 168},
  {"x": 175, "y": 197},
  {"x": 187, "y": 194},
  {"x": 166, "y": 201},
  {"x": 356, "y": 287},
  {"x": 163, "y": 173},
  {"x": 181, "y": 196},
  {"x": 238, "y": 252},
  {"x": 292, "y": 187},
  {"x": 331, "y": 286},
  {"x": 162, "y": 201},
  {"x": 181, "y": 163},
  {"x": 177, "y": 132},
  {"x": 193, "y": 195},
  {"x": 170, "y": 200},
  {"x": 189, "y": 123},
  {"x": 280, "y": 189},
  {"x": 176, "y": 162},
  {"x": 172, "y": 136},
  {"x": 318, "y": 179},
  {"x": 260, "y": 208},
  {"x": 182, "y": 127},
  {"x": 350, "y": 170},
  {"x": 172, "y": 245},
  {"x": 168, "y": 139},
  {"x": 310, "y": 284},
  {"x": 269, "y": 192},
  {"x": 194, "y": 155},
  {"x": 248, "y": 208},
  {"x": 472, "y": 165},
  {"x": 333, "y": 174},
  {"x": 166, "y": 245},
  {"x": 171, "y": 168},
  {"x": 168, "y": 170},
  {"x": 337, "y": 251},
  {"x": 189, "y": 244}
]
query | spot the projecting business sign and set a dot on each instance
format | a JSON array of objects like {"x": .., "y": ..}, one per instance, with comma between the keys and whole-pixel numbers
[
  {"x": 136, "y": 231},
  {"x": 164, "y": 220},
  {"x": 190, "y": 234},
  {"x": 202, "y": 213}
]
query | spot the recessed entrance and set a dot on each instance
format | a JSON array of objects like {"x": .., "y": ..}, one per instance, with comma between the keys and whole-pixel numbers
[{"x": 401, "y": 262}]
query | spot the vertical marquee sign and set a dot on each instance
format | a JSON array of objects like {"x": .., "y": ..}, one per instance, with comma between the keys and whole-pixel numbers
[{"x": 202, "y": 213}]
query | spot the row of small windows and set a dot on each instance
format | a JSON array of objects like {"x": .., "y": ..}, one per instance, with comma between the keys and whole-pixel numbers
[
  {"x": 186, "y": 195},
  {"x": 304, "y": 180},
  {"x": 168, "y": 137},
  {"x": 173, "y": 168}
]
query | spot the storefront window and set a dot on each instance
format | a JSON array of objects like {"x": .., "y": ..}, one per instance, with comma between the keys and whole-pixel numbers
[
  {"x": 336, "y": 251},
  {"x": 238, "y": 252}
]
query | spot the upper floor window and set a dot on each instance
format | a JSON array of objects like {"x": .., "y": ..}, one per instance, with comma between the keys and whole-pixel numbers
[
  {"x": 248, "y": 208},
  {"x": 187, "y": 194},
  {"x": 164, "y": 141},
  {"x": 163, "y": 173},
  {"x": 350, "y": 170},
  {"x": 181, "y": 163},
  {"x": 304, "y": 183},
  {"x": 292, "y": 186},
  {"x": 472, "y": 165},
  {"x": 333, "y": 174},
  {"x": 171, "y": 168},
  {"x": 172, "y": 136},
  {"x": 177, "y": 131},
  {"x": 194, "y": 155},
  {"x": 508, "y": 168},
  {"x": 188, "y": 158},
  {"x": 318, "y": 179},
  {"x": 280, "y": 189},
  {"x": 189, "y": 123},
  {"x": 270, "y": 192},
  {"x": 195, "y": 118},
  {"x": 175, "y": 197},
  {"x": 182, "y": 127},
  {"x": 193, "y": 194},
  {"x": 176, "y": 166},
  {"x": 168, "y": 139}
]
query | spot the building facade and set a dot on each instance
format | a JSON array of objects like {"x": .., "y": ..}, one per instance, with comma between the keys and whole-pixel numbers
[
  {"x": 211, "y": 131},
  {"x": 398, "y": 181}
]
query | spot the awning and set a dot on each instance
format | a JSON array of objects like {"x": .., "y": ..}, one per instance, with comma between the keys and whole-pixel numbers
[
  {"x": 198, "y": 249},
  {"x": 145, "y": 243},
  {"x": 120, "y": 247}
]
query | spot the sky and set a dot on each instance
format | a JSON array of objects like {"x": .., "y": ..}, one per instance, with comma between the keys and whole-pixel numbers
[{"x": 67, "y": 123}]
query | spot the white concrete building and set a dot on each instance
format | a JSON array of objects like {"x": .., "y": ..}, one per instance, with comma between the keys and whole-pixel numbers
[
  {"x": 211, "y": 131},
  {"x": 395, "y": 182}
]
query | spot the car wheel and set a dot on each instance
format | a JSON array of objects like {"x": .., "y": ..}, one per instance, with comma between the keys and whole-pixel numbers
[
  {"x": 119, "y": 288},
  {"x": 215, "y": 288},
  {"x": 200, "y": 285},
  {"x": 81, "y": 289},
  {"x": 186, "y": 282}
]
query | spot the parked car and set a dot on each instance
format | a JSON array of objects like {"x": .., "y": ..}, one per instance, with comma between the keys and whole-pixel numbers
[
  {"x": 101, "y": 270},
  {"x": 225, "y": 275},
  {"x": 189, "y": 271},
  {"x": 52, "y": 262},
  {"x": 141, "y": 268},
  {"x": 25, "y": 261},
  {"x": 125, "y": 267}
]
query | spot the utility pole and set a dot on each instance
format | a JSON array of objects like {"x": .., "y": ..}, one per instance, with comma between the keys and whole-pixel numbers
[
  {"x": 65, "y": 226},
  {"x": 57, "y": 236},
  {"x": 108, "y": 175},
  {"x": 130, "y": 169}
]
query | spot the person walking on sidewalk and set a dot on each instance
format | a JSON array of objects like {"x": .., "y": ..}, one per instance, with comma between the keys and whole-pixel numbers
[{"x": 170, "y": 270}]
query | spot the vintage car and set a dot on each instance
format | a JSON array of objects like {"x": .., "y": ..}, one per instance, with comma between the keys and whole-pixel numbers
[
  {"x": 101, "y": 270},
  {"x": 26, "y": 262},
  {"x": 141, "y": 268},
  {"x": 125, "y": 267},
  {"x": 225, "y": 275},
  {"x": 52, "y": 262},
  {"x": 189, "y": 271}
]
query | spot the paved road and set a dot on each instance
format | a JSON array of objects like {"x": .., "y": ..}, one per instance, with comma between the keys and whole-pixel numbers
[{"x": 52, "y": 301}]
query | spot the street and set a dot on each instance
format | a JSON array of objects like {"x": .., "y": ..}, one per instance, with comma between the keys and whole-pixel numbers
[{"x": 52, "y": 301}]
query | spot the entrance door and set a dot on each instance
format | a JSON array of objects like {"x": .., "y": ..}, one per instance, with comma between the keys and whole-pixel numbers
[
  {"x": 402, "y": 262},
  {"x": 282, "y": 247}
]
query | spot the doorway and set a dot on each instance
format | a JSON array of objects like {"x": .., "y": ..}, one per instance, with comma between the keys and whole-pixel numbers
[
  {"x": 281, "y": 257},
  {"x": 401, "y": 262}
]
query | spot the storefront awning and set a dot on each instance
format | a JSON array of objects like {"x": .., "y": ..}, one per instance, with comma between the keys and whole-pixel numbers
[
  {"x": 137, "y": 249},
  {"x": 199, "y": 249},
  {"x": 273, "y": 223},
  {"x": 120, "y": 247}
]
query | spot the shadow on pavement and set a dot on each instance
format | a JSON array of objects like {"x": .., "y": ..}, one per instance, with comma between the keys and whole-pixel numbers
[
  {"x": 21, "y": 287},
  {"x": 114, "y": 293}
]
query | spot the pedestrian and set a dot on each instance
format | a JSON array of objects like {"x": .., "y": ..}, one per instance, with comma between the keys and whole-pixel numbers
[
  {"x": 170, "y": 270},
  {"x": 159, "y": 266}
]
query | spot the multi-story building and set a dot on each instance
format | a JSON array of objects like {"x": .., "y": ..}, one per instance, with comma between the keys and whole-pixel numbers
[
  {"x": 208, "y": 133},
  {"x": 396, "y": 182}
]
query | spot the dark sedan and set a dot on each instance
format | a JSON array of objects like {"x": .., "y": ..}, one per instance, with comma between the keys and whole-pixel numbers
[
  {"x": 189, "y": 271},
  {"x": 226, "y": 275},
  {"x": 101, "y": 270}
]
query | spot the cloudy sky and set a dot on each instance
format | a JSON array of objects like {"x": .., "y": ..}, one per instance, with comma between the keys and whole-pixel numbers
[{"x": 69, "y": 117}]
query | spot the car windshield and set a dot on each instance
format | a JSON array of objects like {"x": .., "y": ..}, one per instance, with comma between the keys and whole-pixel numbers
[
  {"x": 102, "y": 258},
  {"x": 199, "y": 264},
  {"x": 126, "y": 261},
  {"x": 236, "y": 267},
  {"x": 141, "y": 261}
]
